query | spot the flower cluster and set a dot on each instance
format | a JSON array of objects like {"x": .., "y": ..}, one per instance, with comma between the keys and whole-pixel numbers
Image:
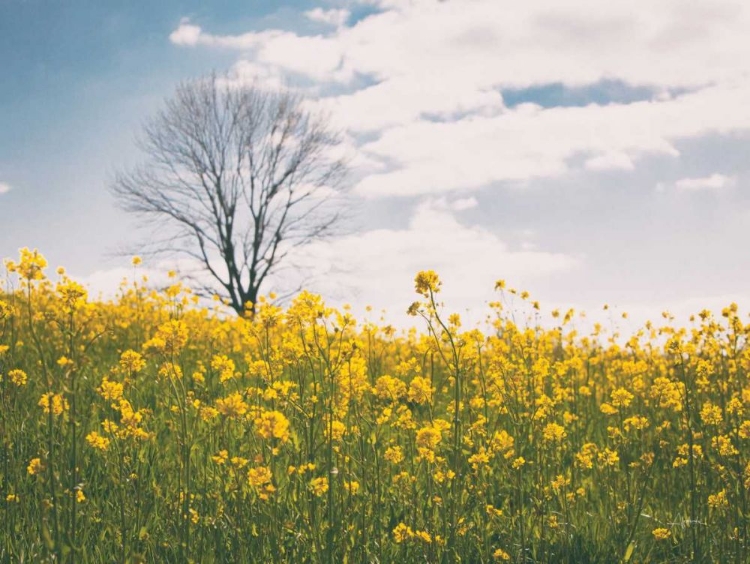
[{"x": 300, "y": 435}]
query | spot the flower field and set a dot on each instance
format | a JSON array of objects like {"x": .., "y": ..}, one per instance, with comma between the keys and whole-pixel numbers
[{"x": 155, "y": 429}]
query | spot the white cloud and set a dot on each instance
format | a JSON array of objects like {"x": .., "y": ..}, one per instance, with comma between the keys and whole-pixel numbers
[
  {"x": 714, "y": 182},
  {"x": 666, "y": 42},
  {"x": 4, "y": 187},
  {"x": 446, "y": 205},
  {"x": 186, "y": 34},
  {"x": 192, "y": 35},
  {"x": 610, "y": 161},
  {"x": 330, "y": 17},
  {"x": 532, "y": 142},
  {"x": 435, "y": 71},
  {"x": 378, "y": 266},
  {"x": 402, "y": 100},
  {"x": 464, "y": 203},
  {"x": 249, "y": 72},
  {"x": 484, "y": 42}
]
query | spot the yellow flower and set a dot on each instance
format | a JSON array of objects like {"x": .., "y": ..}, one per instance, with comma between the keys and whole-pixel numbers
[
  {"x": 110, "y": 426},
  {"x": 5, "y": 310},
  {"x": 273, "y": 424},
  {"x": 427, "y": 281},
  {"x": 424, "y": 536},
  {"x": 502, "y": 442},
  {"x": 420, "y": 390},
  {"x": 661, "y": 533},
  {"x": 319, "y": 486},
  {"x": 402, "y": 533},
  {"x": 500, "y": 554},
  {"x": 560, "y": 482},
  {"x": 259, "y": 476},
  {"x": 667, "y": 393},
  {"x": 220, "y": 457},
  {"x": 30, "y": 266},
  {"x": 492, "y": 511},
  {"x": 609, "y": 458},
  {"x": 194, "y": 516},
  {"x": 72, "y": 295},
  {"x": 136, "y": 260},
  {"x": 352, "y": 488},
  {"x": 208, "y": 413},
  {"x": 428, "y": 437},
  {"x": 97, "y": 441},
  {"x": 130, "y": 420},
  {"x": 170, "y": 338},
  {"x": 711, "y": 414},
  {"x": 636, "y": 422},
  {"x": 171, "y": 371},
  {"x": 132, "y": 361},
  {"x": 718, "y": 500},
  {"x": 64, "y": 361},
  {"x": 389, "y": 388},
  {"x": 479, "y": 458},
  {"x": 621, "y": 397},
  {"x": 35, "y": 466},
  {"x": 18, "y": 377},
  {"x": 238, "y": 462},
  {"x": 724, "y": 446},
  {"x": 232, "y": 406},
  {"x": 110, "y": 391},
  {"x": 53, "y": 402},
  {"x": 224, "y": 366},
  {"x": 394, "y": 454},
  {"x": 80, "y": 496},
  {"x": 554, "y": 432},
  {"x": 585, "y": 458}
]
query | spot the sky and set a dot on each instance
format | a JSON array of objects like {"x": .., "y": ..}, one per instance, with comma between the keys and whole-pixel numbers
[{"x": 589, "y": 152}]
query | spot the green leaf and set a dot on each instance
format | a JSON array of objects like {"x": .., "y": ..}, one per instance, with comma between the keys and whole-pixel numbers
[
  {"x": 49, "y": 543},
  {"x": 629, "y": 552}
]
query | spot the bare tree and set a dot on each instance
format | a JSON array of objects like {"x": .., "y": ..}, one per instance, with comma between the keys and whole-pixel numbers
[{"x": 236, "y": 178}]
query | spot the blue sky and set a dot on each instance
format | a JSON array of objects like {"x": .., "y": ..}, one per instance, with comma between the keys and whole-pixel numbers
[
  {"x": 81, "y": 76},
  {"x": 590, "y": 152}
]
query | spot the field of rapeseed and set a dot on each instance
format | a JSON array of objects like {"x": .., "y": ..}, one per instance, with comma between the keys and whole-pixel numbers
[{"x": 149, "y": 429}]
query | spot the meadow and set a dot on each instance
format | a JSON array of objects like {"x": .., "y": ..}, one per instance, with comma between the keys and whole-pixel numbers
[{"x": 154, "y": 428}]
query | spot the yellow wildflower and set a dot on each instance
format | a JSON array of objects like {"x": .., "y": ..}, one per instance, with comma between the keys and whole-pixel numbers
[
  {"x": 420, "y": 390},
  {"x": 97, "y": 441},
  {"x": 427, "y": 281},
  {"x": 402, "y": 533},
  {"x": 35, "y": 466},
  {"x": 232, "y": 406},
  {"x": 273, "y": 424},
  {"x": 554, "y": 432},
  {"x": 500, "y": 554},
  {"x": 394, "y": 454},
  {"x": 53, "y": 402},
  {"x": 428, "y": 437},
  {"x": 17, "y": 377},
  {"x": 319, "y": 486}
]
